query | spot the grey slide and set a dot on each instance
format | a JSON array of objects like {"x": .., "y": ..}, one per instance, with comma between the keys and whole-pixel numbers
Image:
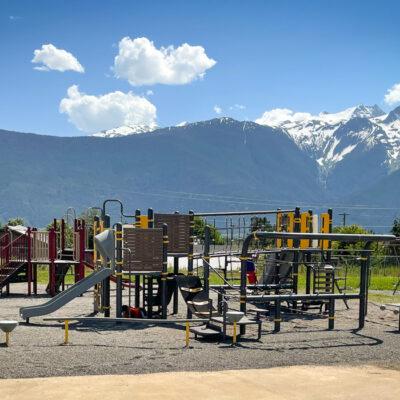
[{"x": 66, "y": 296}]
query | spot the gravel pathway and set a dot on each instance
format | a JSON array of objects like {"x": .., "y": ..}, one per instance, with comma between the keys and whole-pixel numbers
[{"x": 118, "y": 349}]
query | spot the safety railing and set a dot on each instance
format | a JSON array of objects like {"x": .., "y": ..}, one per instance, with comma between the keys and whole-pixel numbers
[
  {"x": 77, "y": 246},
  {"x": 40, "y": 245},
  {"x": 16, "y": 251}
]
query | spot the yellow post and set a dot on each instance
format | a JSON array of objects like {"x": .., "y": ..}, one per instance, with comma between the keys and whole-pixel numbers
[
  {"x": 234, "y": 333},
  {"x": 324, "y": 229},
  {"x": 7, "y": 339},
  {"x": 66, "y": 331},
  {"x": 144, "y": 221},
  {"x": 187, "y": 334}
]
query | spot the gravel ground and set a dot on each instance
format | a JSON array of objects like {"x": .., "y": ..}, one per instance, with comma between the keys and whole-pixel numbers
[{"x": 35, "y": 349}]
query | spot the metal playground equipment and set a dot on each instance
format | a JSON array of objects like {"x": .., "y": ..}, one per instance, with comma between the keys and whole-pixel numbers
[{"x": 258, "y": 279}]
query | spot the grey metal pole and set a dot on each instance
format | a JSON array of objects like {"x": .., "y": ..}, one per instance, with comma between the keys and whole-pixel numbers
[
  {"x": 164, "y": 272},
  {"x": 106, "y": 282},
  {"x": 296, "y": 245},
  {"x": 118, "y": 263},
  {"x": 363, "y": 286},
  {"x": 137, "y": 277},
  {"x": 190, "y": 251},
  {"x": 175, "y": 307},
  {"x": 206, "y": 256},
  {"x": 176, "y": 293},
  {"x": 243, "y": 283}
]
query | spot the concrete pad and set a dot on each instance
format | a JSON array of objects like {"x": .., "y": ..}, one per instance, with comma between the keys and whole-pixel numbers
[{"x": 298, "y": 382}]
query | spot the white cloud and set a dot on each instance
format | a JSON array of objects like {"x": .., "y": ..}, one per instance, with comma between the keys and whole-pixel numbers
[
  {"x": 393, "y": 95},
  {"x": 141, "y": 63},
  {"x": 217, "y": 109},
  {"x": 237, "y": 107},
  {"x": 279, "y": 115},
  {"x": 56, "y": 59},
  {"x": 149, "y": 92},
  {"x": 94, "y": 113}
]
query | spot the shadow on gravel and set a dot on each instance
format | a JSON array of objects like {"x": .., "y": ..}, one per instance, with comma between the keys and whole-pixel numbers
[{"x": 356, "y": 339}]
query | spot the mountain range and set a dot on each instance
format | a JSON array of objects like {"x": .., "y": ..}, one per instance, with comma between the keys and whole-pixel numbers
[{"x": 344, "y": 159}]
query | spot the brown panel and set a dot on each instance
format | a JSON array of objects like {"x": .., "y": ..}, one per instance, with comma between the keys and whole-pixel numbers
[
  {"x": 146, "y": 249},
  {"x": 178, "y": 231}
]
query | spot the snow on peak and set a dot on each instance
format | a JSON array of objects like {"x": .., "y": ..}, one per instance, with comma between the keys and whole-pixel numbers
[
  {"x": 330, "y": 137},
  {"x": 280, "y": 117},
  {"x": 181, "y": 124},
  {"x": 362, "y": 111},
  {"x": 393, "y": 116},
  {"x": 125, "y": 130}
]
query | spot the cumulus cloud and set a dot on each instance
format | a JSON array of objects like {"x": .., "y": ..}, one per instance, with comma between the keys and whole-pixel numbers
[
  {"x": 278, "y": 116},
  {"x": 56, "y": 59},
  {"x": 141, "y": 63},
  {"x": 393, "y": 95},
  {"x": 95, "y": 113},
  {"x": 217, "y": 109}
]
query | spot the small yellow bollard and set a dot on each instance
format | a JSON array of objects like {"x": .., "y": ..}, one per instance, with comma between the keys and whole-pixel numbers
[
  {"x": 66, "y": 331},
  {"x": 187, "y": 334},
  {"x": 234, "y": 333},
  {"x": 7, "y": 339}
]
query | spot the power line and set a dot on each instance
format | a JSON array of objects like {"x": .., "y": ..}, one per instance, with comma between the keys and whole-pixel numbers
[{"x": 344, "y": 215}]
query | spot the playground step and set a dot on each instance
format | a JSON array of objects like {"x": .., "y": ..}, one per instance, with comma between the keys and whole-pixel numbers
[
  {"x": 204, "y": 330},
  {"x": 9, "y": 273},
  {"x": 243, "y": 321}
]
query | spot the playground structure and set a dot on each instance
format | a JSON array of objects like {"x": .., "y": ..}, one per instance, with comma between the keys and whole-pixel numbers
[
  {"x": 23, "y": 249},
  {"x": 257, "y": 266}
]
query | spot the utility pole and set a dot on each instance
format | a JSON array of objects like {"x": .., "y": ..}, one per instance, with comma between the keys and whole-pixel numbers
[{"x": 344, "y": 215}]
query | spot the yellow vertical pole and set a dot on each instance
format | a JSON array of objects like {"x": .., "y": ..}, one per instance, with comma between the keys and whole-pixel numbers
[
  {"x": 7, "y": 339},
  {"x": 325, "y": 229},
  {"x": 234, "y": 338},
  {"x": 66, "y": 331},
  {"x": 144, "y": 221},
  {"x": 187, "y": 333}
]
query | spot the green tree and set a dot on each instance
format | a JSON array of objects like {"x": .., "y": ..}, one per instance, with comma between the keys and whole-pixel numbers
[
  {"x": 396, "y": 227},
  {"x": 261, "y": 224},
  {"x": 69, "y": 233},
  {"x": 200, "y": 224},
  {"x": 356, "y": 230},
  {"x": 88, "y": 217},
  {"x": 16, "y": 221}
]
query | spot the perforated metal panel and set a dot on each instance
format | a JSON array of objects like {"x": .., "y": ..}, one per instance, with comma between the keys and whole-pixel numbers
[
  {"x": 178, "y": 231},
  {"x": 146, "y": 249}
]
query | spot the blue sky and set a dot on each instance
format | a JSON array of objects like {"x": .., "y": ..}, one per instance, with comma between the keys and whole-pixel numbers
[{"x": 303, "y": 55}]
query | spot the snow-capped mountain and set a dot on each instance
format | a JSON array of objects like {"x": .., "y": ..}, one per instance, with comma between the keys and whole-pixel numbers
[
  {"x": 125, "y": 130},
  {"x": 329, "y": 138}
]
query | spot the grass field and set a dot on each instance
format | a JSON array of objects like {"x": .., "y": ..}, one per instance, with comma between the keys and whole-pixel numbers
[{"x": 381, "y": 280}]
